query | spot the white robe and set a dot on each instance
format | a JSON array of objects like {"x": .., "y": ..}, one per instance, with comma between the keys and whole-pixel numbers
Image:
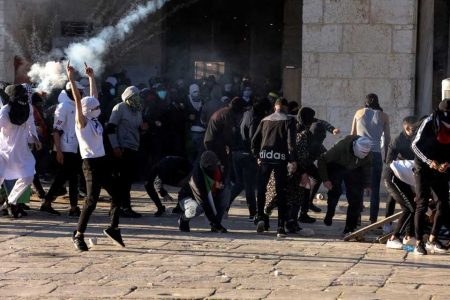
[{"x": 17, "y": 157}]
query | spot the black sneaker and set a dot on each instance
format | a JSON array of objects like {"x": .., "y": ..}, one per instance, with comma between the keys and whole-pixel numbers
[
  {"x": 292, "y": 226},
  {"x": 13, "y": 211},
  {"x": 25, "y": 207},
  {"x": 114, "y": 235},
  {"x": 129, "y": 213},
  {"x": 305, "y": 218},
  {"x": 218, "y": 228},
  {"x": 49, "y": 209},
  {"x": 21, "y": 210},
  {"x": 79, "y": 243},
  {"x": 348, "y": 230},
  {"x": 435, "y": 247},
  {"x": 183, "y": 225},
  {"x": 314, "y": 208},
  {"x": 160, "y": 211},
  {"x": 328, "y": 220},
  {"x": 260, "y": 224},
  {"x": 74, "y": 212},
  {"x": 420, "y": 249},
  {"x": 281, "y": 233}
]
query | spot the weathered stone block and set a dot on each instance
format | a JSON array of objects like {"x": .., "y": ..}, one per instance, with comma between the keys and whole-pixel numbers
[
  {"x": 370, "y": 66},
  {"x": 335, "y": 65},
  {"x": 310, "y": 65},
  {"x": 367, "y": 38},
  {"x": 322, "y": 38},
  {"x": 402, "y": 93},
  {"x": 381, "y": 87},
  {"x": 312, "y": 11},
  {"x": 341, "y": 92},
  {"x": 346, "y": 11},
  {"x": 392, "y": 11},
  {"x": 401, "y": 65},
  {"x": 310, "y": 91},
  {"x": 403, "y": 41}
]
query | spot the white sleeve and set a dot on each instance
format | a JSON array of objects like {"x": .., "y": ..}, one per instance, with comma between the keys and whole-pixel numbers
[{"x": 60, "y": 117}]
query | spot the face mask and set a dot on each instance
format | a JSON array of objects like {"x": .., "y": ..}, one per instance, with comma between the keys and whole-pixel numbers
[
  {"x": 195, "y": 96},
  {"x": 162, "y": 94},
  {"x": 112, "y": 92},
  {"x": 91, "y": 113},
  {"x": 134, "y": 102}
]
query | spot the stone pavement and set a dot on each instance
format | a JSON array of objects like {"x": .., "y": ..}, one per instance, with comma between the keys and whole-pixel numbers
[{"x": 38, "y": 261}]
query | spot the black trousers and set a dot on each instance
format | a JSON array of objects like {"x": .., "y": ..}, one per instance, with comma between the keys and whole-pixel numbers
[
  {"x": 404, "y": 196},
  {"x": 427, "y": 180},
  {"x": 353, "y": 180},
  {"x": 127, "y": 172},
  {"x": 97, "y": 175},
  {"x": 67, "y": 171},
  {"x": 245, "y": 168},
  {"x": 280, "y": 174}
]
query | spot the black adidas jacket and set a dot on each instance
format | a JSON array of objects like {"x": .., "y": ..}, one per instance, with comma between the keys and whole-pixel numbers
[{"x": 274, "y": 139}]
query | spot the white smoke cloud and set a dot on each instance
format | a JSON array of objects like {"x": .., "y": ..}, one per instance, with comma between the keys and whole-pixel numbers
[{"x": 93, "y": 50}]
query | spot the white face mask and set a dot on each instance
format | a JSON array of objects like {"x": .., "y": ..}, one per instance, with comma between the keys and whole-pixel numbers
[{"x": 91, "y": 113}]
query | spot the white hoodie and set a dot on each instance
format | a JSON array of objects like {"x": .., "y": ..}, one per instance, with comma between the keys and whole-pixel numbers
[{"x": 65, "y": 121}]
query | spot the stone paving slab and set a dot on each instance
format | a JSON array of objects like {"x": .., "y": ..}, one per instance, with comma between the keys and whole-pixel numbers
[{"x": 159, "y": 262}]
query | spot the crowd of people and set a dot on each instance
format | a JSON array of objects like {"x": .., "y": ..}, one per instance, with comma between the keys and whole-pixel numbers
[{"x": 210, "y": 139}]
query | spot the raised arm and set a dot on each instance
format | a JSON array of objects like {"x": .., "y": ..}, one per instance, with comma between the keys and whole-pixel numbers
[
  {"x": 93, "y": 86},
  {"x": 80, "y": 119}
]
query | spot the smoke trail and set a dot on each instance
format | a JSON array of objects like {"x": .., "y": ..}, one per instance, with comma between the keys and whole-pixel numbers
[{"x": 92, "y": 50}]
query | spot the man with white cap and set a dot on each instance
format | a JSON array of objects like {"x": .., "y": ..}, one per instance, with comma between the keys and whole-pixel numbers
[
  {"x": 124, "y": 129},
  {"x": 89, "y": 133},
  {"x": 66, "y": 149},
  {"x": 348, "y": 161}
]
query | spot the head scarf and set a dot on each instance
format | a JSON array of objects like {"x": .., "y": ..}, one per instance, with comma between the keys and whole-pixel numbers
[
  {"x": 19, "y": 105},
  {"x": 132, "y": 98},
  {"x": 361, "y": 147}
]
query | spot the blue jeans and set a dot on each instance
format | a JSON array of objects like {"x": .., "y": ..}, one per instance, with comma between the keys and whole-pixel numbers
[{"x": 376, "y": 169}]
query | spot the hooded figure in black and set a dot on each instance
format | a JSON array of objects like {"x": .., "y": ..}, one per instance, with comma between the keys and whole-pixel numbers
[{"x": 20, "y": 106}]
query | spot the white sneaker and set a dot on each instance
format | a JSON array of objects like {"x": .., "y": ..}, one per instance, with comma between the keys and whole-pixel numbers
[
  {"x": 387, "y": 228},
  {"x": 411, "y": 241},
  {"x": 435, "y": 247},
  {"x": 395, "y": 244}
]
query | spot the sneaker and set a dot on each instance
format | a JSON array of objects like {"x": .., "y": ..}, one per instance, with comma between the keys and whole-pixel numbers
[
  {"x": 387, "y": 228},
  {"x": 328, "y": 220},
  {"x": 160, "y": 211},
  {"x": 114, "y": 235},
  {"x": 260, "y": 224},
  {"x": 218, "y": 228},
  {"x": 394, "y": 244},
  {"x": 435, "y": 247},
  {"x": 420, "y": 249},
  {"x": 305, "y": 218},
  {"x": 314, "y": 208},
  {"x": 281, "y": 233},
  {"x": 79, "y": 243},
  {"x": 411, "y": 241},
  {"x": 74, "y": 212},
  {"x": 21, "y": 210},
  {"x": 292, "y": 226},
  {"x": 49, "y": 209},
  {"x": 13, "y": 211},
  {"x": 129, "y": 213},
  {"x": 25, "y": 207},
  {"x": 183, "y": 225},
  {"x": 348, "y": 230}
]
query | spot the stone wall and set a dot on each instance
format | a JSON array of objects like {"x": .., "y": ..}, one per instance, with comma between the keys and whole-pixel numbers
[
  {"x": 4, "y": 62},
  {"x": 355, "y": 47}
]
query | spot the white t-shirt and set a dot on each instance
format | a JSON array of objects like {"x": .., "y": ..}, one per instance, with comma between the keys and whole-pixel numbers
[
  {"x": 403, "y": 169},
  {"x": 65, "y": 121},
  {"x": 90, "y": 140}
]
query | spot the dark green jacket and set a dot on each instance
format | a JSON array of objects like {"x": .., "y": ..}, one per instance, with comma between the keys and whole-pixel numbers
[{"x": 342, "y": 154}]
